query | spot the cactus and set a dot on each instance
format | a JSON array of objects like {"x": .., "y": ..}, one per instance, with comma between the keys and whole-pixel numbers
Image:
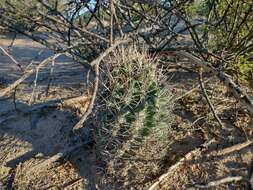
[{"x": 136, "y": 103}]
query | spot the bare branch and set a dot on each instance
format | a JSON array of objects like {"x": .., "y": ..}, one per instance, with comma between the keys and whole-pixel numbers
[
  {"x": 96, "y": 64},
  {"x": 179, "y": 163},
  {"x": 26, "y": 74},
  {"x": 236, "y": 89},
  {"x": 13, "y": 60},
  {"x": 208, "y": 100},
  {"x": 219, "y": 182}
]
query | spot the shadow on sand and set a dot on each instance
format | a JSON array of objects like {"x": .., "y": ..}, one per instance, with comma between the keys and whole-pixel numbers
[
  {"x": 42, "y": 133},
  {"x": 39, "y": 134}
]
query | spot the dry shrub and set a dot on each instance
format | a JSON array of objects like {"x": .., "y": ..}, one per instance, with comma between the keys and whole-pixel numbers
[{"x": 134, "y": 117}]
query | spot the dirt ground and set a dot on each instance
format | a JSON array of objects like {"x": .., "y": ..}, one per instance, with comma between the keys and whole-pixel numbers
[{"x": 29, "y": 137}]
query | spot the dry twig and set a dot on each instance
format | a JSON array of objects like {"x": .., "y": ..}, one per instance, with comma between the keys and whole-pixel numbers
[
  {"x": 45, "y": 164},
  {"x": 26, "y": 74},
  {"x": 11, "y": 87},
  {"x": 13, "y": 60},
  {"x": 179, "y": 163},
  {"x": 236, "y": 89},
  {"x": 96, "y": 64},
  {"x": 192, "y": 90},
  {"x": 236, "y": 147},
  {"x": 219, "y": 182},
  {"x": 208, "y": 99}
]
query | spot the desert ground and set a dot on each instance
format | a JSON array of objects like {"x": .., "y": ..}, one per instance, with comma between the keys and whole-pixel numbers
[{"x": 32, "y": 133}]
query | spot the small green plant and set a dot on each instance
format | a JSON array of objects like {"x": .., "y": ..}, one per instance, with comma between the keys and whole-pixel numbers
[
  {"x": 197, "y": 7},
  {"x": 242, "y": 65}
]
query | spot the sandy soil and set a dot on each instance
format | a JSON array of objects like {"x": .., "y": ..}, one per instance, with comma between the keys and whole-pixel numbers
[{"x": 29, "y": 137}]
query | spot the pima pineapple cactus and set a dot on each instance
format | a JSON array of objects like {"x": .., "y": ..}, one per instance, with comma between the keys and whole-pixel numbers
[
  {"x": 136, "y": 103},
  {"x": 133, "y": 116}
]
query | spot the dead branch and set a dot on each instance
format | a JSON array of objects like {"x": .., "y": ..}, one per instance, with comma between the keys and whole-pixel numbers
[
  {"x": 28, "y": 73},
  {"x": 222, "y": 152},
  {"x": 219, "y": 182},
  {"x": 208, "y": 99},
  {"x": 96, "y": 63},
  {"x": 192, "y": 90},
  {"x": 250, "y": 176},
  {"x": 33, "y": 60},
  {"x": 12, "y": 58},
  {"x": 111, "y": 22},
  {"x": 179, "y": 163},
  {"x": 6, "y": 119},
  {"x": 236, "y": 89},
  {"x": 45, "y": 164},
  {"x": 72, "y": 183},
  {"x": 91, "y": 104},
  {"x": 234, "y": 148},
  {"x": 75, "y": 103},
  {"x": 50, "y": 79},
  {"x": 109, "y": 50},
  {"x": 11, "y": 87},
  {"x": 32, "y": 99},
  {"x": 64, "y": 103}
]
